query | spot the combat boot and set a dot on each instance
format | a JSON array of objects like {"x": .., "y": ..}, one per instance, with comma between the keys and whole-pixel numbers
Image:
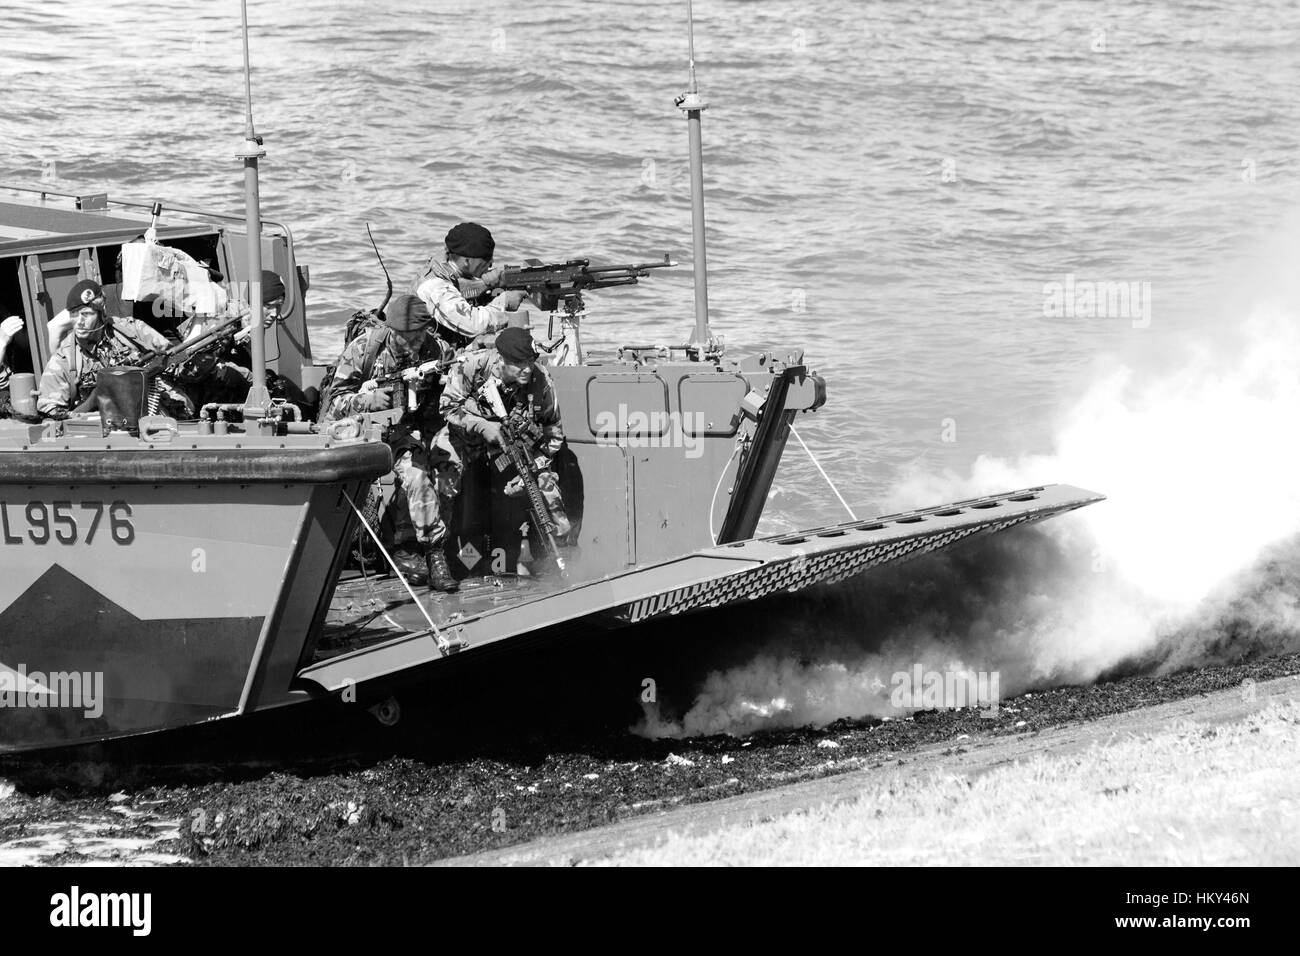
[
  {"x": 411, "y": 566},
  {"x": 440, "y": 578}
]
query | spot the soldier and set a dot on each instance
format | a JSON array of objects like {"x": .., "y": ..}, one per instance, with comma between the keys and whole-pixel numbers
[
  {"x": 224, "y": 374},
  {"x": 426, "y": 465},
  {"x": 466, "y": 274},
  {"x": 9, "y": 330},
  {"x": 509, "y": 367},
  {"x": 98, "y": 341}
]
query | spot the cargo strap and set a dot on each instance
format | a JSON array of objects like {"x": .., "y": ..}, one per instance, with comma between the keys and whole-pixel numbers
[{"x": 443, "y": 644}]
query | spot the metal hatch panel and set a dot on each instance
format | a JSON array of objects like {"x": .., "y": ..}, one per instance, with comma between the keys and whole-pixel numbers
[{"x": 713, "y": 577}]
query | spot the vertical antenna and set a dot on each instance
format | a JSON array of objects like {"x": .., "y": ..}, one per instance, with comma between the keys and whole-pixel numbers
[
  {"x": 693, "y": 104},
  {"x": 259, "y": 399}
]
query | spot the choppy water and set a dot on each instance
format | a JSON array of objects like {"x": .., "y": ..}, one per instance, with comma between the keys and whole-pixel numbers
[{"x": 889, "y": 185}]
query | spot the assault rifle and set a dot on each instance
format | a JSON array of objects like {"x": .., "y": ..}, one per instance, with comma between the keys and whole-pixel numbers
[
  {"x": 551, "y": 284},
  {"x": 410, "y": 380},
  {"x": 519, "y": 437}
]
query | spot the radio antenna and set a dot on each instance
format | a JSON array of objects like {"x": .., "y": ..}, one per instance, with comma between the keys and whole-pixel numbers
[
  {"x": 258, "y": 403},
  {"x": 387, "y": 277},
  {"x": 692, "y": 104}
]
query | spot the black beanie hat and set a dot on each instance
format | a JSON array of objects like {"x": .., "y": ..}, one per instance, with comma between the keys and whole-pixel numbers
[
  {"x": 471, "y": 240},
  {"x": 407, "y": 313},
  {"x": 83, "y": 294},
  {"x": 272, "y": 287},
  {"x": 515, "y": 345}
]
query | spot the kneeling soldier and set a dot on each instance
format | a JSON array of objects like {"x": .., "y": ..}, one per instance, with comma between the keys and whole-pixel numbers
[
  {"x": 507, "y": 370},
  {"x": 427, "y": 467}
]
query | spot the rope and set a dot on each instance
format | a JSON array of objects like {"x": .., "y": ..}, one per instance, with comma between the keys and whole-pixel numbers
[
  {"x": 442, "y": 641},
  {"x": 713, "y": 535},
  {"x": 796, "y": 434}
]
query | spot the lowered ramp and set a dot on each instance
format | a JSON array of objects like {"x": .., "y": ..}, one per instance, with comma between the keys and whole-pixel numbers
[{"x": 709, "y": 578}]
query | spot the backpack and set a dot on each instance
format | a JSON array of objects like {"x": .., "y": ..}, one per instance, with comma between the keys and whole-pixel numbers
[{"x": 361, "y": 322}]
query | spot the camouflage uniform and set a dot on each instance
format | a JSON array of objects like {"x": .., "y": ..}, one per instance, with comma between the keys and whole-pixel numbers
[
  {"x": 74, "y": 368},
  {"x": 467, "y": 412},
  {"x": 458, "y": 320},
  {"x": 428, "y": 472}
]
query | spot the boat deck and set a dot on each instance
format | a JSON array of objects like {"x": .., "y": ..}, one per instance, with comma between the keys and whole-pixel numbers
[{"x": 369, "y": 609}]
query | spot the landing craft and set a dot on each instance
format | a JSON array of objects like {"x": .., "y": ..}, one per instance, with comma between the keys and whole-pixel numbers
[{"x": 201, "y": 568}]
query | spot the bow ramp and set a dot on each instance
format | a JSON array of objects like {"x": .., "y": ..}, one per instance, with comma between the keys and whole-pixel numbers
[{"x": 376, "y": 631}]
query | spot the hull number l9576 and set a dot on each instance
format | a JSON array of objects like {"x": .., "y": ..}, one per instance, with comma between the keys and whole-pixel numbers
[{"x": 63, "y": 522}]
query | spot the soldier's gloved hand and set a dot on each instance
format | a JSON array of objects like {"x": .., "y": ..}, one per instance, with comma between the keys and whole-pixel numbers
[
  {"x": 9, "y": 328},
  {"x": 379, "y": 400},
  {"x": 514, "y": 487},
  {"x": 509, "y": 300},
  {"x": 492, "y": 432},
  {"x": 492, "y": 278}
]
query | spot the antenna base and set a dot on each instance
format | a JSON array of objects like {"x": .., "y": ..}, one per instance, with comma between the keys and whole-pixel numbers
[
  {"x": 690, "y": 101},
  {"x": 252, "y": 149}
]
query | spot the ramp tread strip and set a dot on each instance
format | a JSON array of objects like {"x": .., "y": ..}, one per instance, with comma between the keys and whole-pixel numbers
[{"x": 801, "y": 571}]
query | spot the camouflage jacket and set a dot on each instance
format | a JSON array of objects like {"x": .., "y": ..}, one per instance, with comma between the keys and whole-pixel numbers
[
  {"x": 73, "y": 369},
  {"x": 467, "y": 410},
  {"x": 346, "y": 397},
  {"x": 458, "y": 320}
]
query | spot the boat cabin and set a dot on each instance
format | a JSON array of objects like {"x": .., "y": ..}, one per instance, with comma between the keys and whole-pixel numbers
[{"x": 50, "y": 240}]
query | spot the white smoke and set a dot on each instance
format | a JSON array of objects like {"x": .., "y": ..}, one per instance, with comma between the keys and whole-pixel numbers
[{"x": 1194, "y": 558}]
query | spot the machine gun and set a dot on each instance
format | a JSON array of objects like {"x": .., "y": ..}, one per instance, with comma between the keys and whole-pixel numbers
[
  {"x": 551, "y": 284},
  {"x": 519, "y": 438},
  {"x": 126, "y": 395},
  {"x": 161, "y": 359}
]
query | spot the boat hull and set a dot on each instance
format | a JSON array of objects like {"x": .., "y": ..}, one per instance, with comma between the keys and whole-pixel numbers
[{"x": 143, "y": 592}]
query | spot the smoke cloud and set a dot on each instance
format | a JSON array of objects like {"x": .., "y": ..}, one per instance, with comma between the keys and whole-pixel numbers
[{"x": 1193, "y": 559}]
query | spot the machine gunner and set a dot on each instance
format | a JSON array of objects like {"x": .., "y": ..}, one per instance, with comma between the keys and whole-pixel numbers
[
  {"x": 99, "y": 341},
  {"x": 453, "y": 289}
]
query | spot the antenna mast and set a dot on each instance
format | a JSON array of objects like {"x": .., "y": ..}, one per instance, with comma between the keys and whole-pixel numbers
[
  {"x": 693, "y": 104},
  {"x": 258, "y": 403}
]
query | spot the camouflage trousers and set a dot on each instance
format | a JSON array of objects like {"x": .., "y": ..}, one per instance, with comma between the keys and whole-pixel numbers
[{"x": 428, "y": 478}]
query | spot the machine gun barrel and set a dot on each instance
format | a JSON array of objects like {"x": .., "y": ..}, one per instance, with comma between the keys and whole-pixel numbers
[{"x": 553, "y": 282}]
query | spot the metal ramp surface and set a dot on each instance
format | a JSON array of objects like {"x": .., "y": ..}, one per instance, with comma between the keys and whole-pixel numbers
[{"x": 709, "y": 578}]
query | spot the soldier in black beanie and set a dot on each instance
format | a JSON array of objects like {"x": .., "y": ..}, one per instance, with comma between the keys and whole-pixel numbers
[{"x": 454, "y": 287}]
